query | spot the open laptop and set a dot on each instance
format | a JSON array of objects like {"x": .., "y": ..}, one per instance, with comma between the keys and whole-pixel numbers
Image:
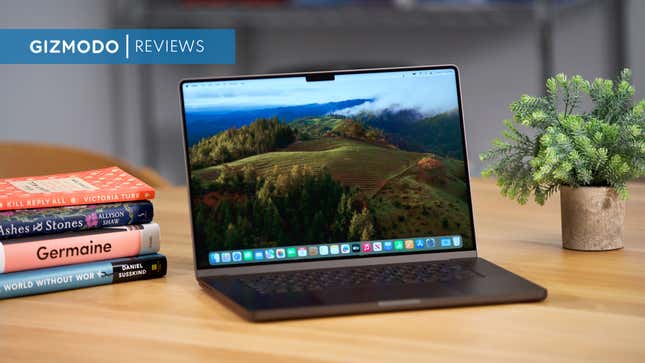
[{"x": 336, "y": 192}]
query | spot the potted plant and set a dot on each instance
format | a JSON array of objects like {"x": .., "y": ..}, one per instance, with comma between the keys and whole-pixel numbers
[{"x": 551, "y": 145}]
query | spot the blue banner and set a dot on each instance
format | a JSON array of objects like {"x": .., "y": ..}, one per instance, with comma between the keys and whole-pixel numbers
[{"x": 117, "y": 46}]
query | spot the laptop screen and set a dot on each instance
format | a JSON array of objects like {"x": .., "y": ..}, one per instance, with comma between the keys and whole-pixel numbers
[{"x": 345, "y": 165}]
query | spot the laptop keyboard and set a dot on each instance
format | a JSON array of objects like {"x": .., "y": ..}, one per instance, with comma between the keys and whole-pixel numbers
[{"x": 415, "y": 273}]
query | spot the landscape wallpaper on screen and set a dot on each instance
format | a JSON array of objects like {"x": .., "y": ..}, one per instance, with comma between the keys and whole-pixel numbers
[{"x": 286, "y": 162}]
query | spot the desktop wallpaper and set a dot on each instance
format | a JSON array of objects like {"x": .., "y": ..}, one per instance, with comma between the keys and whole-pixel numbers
[{"x": 285, "y": 162}]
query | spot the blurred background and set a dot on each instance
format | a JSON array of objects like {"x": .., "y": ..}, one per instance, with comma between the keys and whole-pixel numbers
[{"x": 131, "y": 112}]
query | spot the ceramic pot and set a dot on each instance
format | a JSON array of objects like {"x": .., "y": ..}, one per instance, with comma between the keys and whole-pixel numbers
[{"x": 592, "y": 218}]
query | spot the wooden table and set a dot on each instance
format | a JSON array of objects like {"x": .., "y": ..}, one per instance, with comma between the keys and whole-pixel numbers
[{"x": 595, "y": 310}]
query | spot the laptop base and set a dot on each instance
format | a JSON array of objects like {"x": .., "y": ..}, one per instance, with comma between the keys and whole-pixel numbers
[{"x": 489, "y": 284}]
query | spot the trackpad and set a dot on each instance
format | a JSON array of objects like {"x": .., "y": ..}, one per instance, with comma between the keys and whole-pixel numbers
[{"x": 386, "y": 295}]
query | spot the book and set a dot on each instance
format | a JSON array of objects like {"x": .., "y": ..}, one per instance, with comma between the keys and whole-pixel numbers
[
  {"x": 34, "y": 222},
  {"x": 109, "y": 185},
  {"x": 29, "y": 253},
  {"x": 82, "y": 275}
]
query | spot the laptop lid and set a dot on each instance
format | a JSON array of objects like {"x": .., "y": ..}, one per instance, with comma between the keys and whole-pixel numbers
[{"x": 327, "y": 168}]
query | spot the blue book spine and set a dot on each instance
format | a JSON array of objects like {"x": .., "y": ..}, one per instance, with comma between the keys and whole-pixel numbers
[
  {"x": 83, "y": 275},
  {"x": 34, "y": 222}
]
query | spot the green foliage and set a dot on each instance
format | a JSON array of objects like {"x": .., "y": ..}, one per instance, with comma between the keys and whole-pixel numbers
[
  {"x": 315, "y": 127},
  {"x": 261, "y": 136},
  {"x": 353, "y": 129},
  {"x": 361, "y": 226},
  {"x": 299, "y": 206},
  {"x": 548, "y": 143},
  {"x": 409, "y": 130},
  {"x": 336, "y": 125}
]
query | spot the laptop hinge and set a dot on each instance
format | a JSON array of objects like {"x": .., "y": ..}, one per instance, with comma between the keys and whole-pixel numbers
[{"x": 339, "y": 263}]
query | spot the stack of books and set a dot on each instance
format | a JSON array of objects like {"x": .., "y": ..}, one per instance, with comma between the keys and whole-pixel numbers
[{"x": 68, "y": 231}]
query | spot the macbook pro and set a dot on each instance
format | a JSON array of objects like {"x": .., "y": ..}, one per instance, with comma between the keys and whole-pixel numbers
[{"x": 336, "y": 192}]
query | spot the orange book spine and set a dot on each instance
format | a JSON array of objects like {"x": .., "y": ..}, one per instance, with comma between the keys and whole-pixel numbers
[
  {"x": 74, "y": 248},
  {"x": 78, "y": 198}
]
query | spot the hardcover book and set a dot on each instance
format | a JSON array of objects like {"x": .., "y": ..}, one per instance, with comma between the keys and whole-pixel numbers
[
  {"x": 109, "y": 185},
  {"x": 30, "y": 253},
  {"x": 82, "y": 275},
  {"x": 33, "y": 222}
]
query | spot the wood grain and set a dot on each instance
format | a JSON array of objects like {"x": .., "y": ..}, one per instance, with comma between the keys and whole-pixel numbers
[{"x": 595, "y": 311}]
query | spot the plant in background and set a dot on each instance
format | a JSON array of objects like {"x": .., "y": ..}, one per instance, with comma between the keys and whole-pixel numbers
[{"x": 549, "y": 143}]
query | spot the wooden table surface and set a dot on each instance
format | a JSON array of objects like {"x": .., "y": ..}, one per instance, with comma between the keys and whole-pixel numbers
[{"x": 595, "y": 310}]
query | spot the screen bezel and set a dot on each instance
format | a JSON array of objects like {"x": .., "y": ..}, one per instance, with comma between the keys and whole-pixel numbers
[{"x": 325, "y": 73}]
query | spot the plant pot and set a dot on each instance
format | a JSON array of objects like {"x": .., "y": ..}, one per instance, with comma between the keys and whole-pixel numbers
[{"x": 592, "y": 218}]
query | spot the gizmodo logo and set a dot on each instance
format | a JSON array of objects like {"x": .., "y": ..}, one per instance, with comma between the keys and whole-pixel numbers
[{"x": 72, "y": 46}]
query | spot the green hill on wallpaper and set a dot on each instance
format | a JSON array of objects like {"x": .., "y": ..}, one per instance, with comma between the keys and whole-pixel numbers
[{"x": 357, "y": 186}]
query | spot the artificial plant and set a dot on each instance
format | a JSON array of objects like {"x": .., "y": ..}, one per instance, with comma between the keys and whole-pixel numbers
[{"x": 550, "y": 143}]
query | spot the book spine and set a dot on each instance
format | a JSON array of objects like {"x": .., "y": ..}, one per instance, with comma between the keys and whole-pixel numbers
[
  {"x": 78, "y": 247},
  {"x": 34, "y": 222},
  {"x": 82, "y": 275},
  {"x": 77, "y": 198}
]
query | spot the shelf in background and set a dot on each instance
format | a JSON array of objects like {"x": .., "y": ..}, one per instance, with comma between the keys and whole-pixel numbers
[{"x": 172, "y": 13}]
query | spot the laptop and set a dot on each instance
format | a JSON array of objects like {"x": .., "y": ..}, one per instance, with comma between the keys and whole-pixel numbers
[{"x": 336, "y": 192}]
